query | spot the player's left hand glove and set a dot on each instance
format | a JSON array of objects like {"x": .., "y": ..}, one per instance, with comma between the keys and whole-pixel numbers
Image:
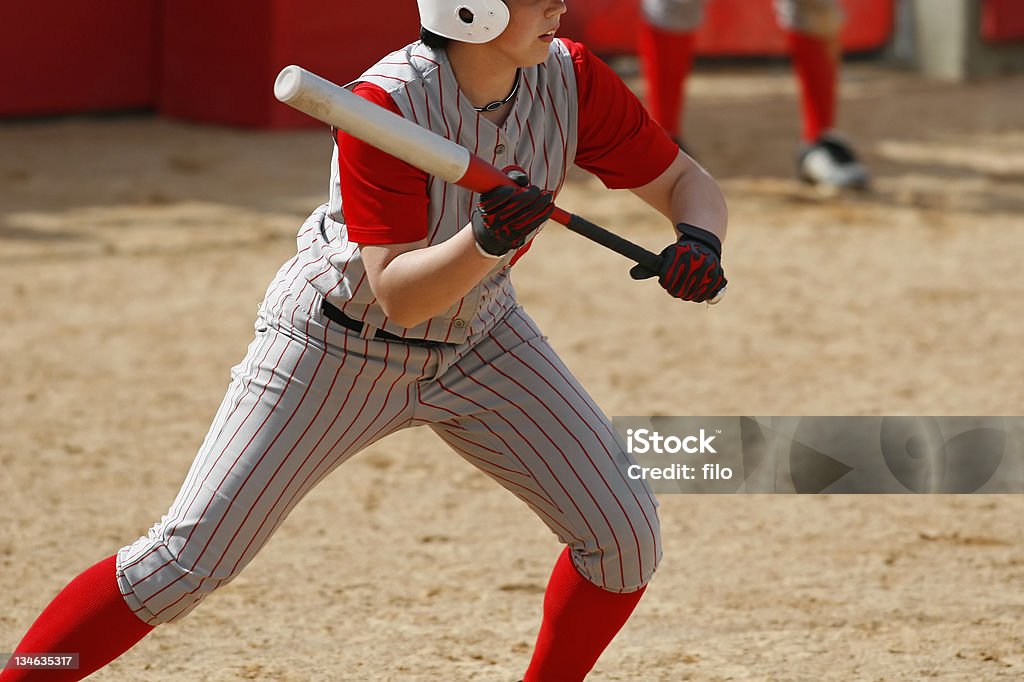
[
  {"x": 691, "y": 269},
  {"x": 506, "y": 216}
]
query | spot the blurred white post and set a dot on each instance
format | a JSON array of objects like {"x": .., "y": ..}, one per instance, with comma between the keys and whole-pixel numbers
[{"x": 947, "y": 44}]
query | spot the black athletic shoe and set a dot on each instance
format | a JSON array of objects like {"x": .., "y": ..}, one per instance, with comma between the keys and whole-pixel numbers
[{"x": 829, "y": 162}]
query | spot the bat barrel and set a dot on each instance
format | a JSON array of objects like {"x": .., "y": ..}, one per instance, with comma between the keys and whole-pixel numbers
[
  {"x": 288, "y": 85},
  {"x": 403, "y": 139}
]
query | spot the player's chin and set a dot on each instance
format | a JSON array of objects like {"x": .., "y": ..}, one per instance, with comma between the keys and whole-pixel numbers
[{"x": 537, "y": 53}]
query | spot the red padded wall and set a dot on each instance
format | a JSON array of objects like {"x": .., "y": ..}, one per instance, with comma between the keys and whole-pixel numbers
[
  {"x": 220, "y": 59},
  {"x": 61, "y": 56},
  {"x": 216, "y": 61},
  {"x": 1002, "y": 21}
]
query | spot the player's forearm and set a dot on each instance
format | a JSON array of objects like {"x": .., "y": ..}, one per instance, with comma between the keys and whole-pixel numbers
[
  {"x": 696, "y": 199},
  {"x": 418, "y": 284},
  {"x": 685, "y": 193}
]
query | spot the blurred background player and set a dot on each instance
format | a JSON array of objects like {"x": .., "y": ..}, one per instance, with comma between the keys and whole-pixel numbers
[{"x": 666, "y": 48}]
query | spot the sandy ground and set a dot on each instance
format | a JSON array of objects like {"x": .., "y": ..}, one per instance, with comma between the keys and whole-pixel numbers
[{"x": 133, "y": 253}]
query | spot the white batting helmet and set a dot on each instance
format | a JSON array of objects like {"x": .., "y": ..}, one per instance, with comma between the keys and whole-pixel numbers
[{"x": 468, "y": 21}]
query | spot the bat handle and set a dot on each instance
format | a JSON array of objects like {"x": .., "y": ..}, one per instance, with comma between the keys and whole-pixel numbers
[
  {"x": 609, "y": 240},
  {"x": 612, "y": 241},
  {"x": 481, "y": 176}
]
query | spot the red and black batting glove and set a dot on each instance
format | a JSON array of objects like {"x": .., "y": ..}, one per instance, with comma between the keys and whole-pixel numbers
[
  {"x": 506, "y": 216},
  {"x": 691, "y": 269}
]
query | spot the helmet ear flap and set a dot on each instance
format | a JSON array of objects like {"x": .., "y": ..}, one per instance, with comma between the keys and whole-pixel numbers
[{"x": 468, "y": 21}]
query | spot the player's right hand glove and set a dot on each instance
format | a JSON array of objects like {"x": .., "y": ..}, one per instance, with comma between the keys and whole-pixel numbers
[
  {"x": 691, "y": 269},
  {"x": 506, "y": 216}
]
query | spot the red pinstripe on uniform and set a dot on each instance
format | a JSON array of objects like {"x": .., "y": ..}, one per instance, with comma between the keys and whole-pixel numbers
[
  {"x": 197, "y": 488},
  {"x": 441, "y": 111},
  {"x": 427, "y": 108},
  {"x": 559, "y": 449},
  {"x": 528, "y": 369},
  {"x": 444, "y": 190},
  {"x": 455, "y": 435},
  {"x": 525, "y": 440},
  {"x": 227, "y": 445},
  {"x": 385, "y": 76},
  {"x": 256, "y": 534},
  {"x": 520, "y": 491},
  {"x": 542, "y": 494},
  {"x": 529, "y": 131},
  {"x": 595, "y": 417},
  {"x": 256, "y": 466},
  {"x": 412, "y": 106},
  {"x": 309, "y": 455},
  {"x": 561, "y": 135},
  {"x": 583, "y": 449},
  {"x": 223, "y": 514}
]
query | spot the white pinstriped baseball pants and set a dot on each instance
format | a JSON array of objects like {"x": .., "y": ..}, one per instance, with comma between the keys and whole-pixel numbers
[{"x": 310, "y": 394}]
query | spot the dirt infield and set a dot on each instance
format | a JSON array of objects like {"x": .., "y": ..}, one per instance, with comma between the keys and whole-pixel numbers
[{"x": 133, "y": 253}]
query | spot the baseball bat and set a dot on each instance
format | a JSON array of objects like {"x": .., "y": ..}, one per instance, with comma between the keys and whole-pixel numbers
[{"x": 426, "y": 150}]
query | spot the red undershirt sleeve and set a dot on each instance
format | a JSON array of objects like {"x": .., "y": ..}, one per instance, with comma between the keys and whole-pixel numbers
[
  {"x": 617, "y": 140},
  {"x": 384, "y": 199}
]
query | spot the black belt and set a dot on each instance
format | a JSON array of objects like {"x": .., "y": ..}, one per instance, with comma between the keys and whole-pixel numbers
[{"x": 333, "y": 314}]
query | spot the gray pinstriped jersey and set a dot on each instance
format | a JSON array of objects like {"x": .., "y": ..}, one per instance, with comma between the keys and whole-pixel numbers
[{"x": 539, "y": 135}]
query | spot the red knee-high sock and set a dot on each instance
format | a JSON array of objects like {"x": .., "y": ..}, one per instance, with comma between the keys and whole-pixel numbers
[
  {"x": 88, "y": 617},
  {"x": 580, "y": 620},
  {"x": 666, "y": 58},
  {"x": 817, "y": 68}
]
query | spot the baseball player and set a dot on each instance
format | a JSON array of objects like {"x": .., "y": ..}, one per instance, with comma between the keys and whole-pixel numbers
[
  {"x": 398, "y": 310},
  {"x": 666, "y": 46}
]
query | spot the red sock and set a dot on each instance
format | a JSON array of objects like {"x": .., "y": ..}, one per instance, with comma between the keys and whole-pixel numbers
[
  {"x": 666, "y": 58},
  {"x": 580, "y": 620},
  {"x": 817, "y": 70},
  {"x": 89, "y": 617}
]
